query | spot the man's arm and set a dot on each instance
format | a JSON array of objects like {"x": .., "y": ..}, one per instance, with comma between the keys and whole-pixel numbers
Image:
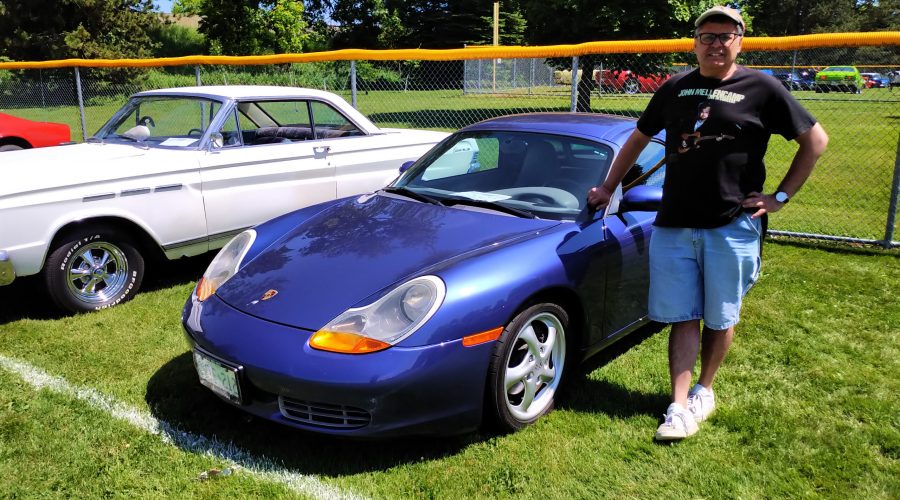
[
  {"x": 598, "y": 197},
  {"x": 812, "y": 144}
]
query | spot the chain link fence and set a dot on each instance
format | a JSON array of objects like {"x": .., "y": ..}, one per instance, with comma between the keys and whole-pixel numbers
[{"x": 852, "y": 195}]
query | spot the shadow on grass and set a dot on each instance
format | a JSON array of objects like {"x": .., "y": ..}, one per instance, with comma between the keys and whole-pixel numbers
[
  {"x": 836, "y": 247},
  {"x": 27, "y": 299},
  {"x": 600, "y": 396}
]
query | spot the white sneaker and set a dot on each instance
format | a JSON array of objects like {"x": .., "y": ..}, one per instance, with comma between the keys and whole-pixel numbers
[
  {"x": 678, "y": 425},
  {"x": 701, "y": 402}
]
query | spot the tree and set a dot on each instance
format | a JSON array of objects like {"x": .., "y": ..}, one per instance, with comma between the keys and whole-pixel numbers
[
  {"x": 251, "y": 27},
  {"x": 35, "y": 30},
  {"x": 577, "y": 21},
  {"x": 367, "y": 24}
]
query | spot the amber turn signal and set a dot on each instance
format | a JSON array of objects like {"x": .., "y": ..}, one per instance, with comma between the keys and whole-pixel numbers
[
  {"x": 346, "y": 343},
  {"x": 481, "y": 338}
]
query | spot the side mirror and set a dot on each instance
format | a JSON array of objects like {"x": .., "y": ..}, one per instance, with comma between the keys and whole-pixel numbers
[
  {"x": 216, "y": 140},
  {"x": 641, "y": 199},
  {"x": 406, "y": 165}
]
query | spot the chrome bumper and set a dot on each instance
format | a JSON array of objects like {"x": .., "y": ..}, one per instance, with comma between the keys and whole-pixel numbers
[{"x": 7, "y": 273}]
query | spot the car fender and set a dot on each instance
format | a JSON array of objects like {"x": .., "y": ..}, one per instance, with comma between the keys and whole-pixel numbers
[{"x": 486, "y": 291}]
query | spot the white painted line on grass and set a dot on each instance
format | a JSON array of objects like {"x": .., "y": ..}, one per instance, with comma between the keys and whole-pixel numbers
[{"x": 225, "y": 451}]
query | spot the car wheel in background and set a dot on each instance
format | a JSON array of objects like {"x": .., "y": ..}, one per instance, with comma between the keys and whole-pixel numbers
[
  {"x": 631, "y": 86},
  {"x": 92, "y": 269},
  {"x": 9, "y": 147},
  {"x": 527, "y": 366}
]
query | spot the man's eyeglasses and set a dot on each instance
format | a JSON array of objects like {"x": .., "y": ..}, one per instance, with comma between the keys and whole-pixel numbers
[{"x": 710, "y": 38}]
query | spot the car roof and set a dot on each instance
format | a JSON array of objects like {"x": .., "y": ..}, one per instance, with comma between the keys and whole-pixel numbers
[
  {"x": 594, "y": 126},
  {"x": 240, "y": 91}
]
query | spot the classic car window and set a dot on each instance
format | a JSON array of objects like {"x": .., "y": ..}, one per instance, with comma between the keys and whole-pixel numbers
[
  {"x": 649, "y": 158},
  {"x": 231, "y": 135},
  {"x": 272, "y": 122},
  {"x": 331, "y": 123},
  {"x": 162, "y": 121}
]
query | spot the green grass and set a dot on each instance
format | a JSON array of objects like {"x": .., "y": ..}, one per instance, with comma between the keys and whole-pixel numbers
[{"x": 807, "y": 407}]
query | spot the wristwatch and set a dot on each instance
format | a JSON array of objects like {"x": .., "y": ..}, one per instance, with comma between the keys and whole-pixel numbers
[{"x": 782, "y": 197}]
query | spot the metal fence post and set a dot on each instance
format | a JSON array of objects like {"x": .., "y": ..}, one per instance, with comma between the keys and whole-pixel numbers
[
  {"x": 531, "y": 81},
  {"x": 892, "y": 207},
  {"x": 574, "y": 102},
  {"x": 465, "y": 75},
  {"x": 80, "y": 104},
  {"x": 353, "y": 83},
  {"x": 197, "y": 75}
]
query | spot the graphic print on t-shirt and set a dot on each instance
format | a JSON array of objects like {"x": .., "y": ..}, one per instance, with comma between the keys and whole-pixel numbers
[{"x": 702, "y": 126}]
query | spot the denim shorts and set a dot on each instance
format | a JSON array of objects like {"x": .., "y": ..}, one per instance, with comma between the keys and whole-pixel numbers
[{"x": 703, "y": 273}]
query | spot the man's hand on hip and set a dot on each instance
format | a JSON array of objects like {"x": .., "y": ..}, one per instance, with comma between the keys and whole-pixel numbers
[{"x": 764, "y": 203}]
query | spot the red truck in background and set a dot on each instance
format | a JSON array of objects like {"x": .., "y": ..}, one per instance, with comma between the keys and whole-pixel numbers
[{"x": 627, "y": 81}]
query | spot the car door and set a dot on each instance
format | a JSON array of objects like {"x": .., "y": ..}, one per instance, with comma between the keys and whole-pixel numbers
[
  {"x": 362, "y": 163},
  {"x": 266, "y": 163},
  {"x": 617, "y": 278}
]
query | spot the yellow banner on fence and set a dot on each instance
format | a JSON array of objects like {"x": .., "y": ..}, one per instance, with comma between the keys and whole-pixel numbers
[{"x": 487, "y": 52}]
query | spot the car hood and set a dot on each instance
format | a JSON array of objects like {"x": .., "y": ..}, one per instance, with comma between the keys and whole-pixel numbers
[
  {"x": 352, "y": 252},
  {"x": 40, "y": 169}
]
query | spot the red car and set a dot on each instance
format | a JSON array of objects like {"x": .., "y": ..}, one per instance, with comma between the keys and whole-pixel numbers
[
  {"x": 627, "y": 81},
  {"x": 19, "y": 133}
]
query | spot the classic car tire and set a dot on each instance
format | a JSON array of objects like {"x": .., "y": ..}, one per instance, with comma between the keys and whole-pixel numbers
[
  {"x": 92, "y": 269},
  {"x": 9, "y": 147},
  {"x": 631, "y": 86},
  {"x": 527, "y": 366}
]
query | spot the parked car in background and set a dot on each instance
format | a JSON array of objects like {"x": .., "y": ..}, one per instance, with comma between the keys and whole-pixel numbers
[
  {"x": 437, "y": 301},
  {"x": 627, "y": 81},
  {"x": 178, "y": 172},
  {"x": 876, "y": 80},
  {"x": 791, "y": 81},
  {"x": 18, "y": 133},
  {"x": 839, "y": 79}
]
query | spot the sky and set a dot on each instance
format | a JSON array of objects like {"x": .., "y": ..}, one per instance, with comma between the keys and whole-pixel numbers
[{"x": 164, "y": 5}]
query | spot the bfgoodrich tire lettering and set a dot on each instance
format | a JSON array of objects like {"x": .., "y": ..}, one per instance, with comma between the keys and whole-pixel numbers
[
  {"x": 92, "y": 269},
  {"x": 527, "y": 366}
]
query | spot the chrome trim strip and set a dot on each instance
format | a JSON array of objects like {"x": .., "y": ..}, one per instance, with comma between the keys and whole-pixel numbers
[
  {"x": 204, "y": 239},
  {"x": 135, "y": 192},
  {"x": 168, "y": 187},
  {"x": 98, "y": 197}
]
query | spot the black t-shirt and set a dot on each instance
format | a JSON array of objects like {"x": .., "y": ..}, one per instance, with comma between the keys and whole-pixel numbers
[{"x": 717, "y": 133}]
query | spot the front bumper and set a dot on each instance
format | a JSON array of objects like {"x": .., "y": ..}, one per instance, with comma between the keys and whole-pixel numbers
[
  {"x": 435, "y": 389},
  {"x": 7, "y": 271}
]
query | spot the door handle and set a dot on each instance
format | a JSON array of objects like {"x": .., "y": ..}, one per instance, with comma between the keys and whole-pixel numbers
[{"x": 321, "y": 151}]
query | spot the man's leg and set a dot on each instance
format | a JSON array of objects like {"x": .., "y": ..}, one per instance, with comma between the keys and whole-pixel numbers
[
  {"x": 684, "y": 344},
  {"x": 715, "y": 344}
]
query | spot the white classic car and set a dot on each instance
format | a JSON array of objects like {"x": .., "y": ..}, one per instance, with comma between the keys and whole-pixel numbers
[{"x": 178, "y": 172}]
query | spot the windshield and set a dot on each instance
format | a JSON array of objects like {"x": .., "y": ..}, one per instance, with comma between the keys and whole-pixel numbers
[
  {"x": 169, "y": 122},
  {"x": 546, "y": 175}
]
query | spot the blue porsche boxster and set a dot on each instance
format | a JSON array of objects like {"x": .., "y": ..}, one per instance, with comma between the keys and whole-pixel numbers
[{"x": 465, "y": 291}]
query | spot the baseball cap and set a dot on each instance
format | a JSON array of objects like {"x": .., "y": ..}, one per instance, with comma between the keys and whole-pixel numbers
[{"x": 720, "y": 10}]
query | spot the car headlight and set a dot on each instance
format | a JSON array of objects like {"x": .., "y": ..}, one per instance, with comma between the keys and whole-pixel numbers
[
  {"x": 385, "y": 322},
  {"x": 225, "y": 265}
]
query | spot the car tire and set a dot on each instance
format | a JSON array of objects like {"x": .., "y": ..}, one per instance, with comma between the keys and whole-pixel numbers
[
  {"x": 527, "y": 366},
  {"x": 631, "y": 86},
  {"x": 92, "y": 269},
  {"x": 10, "y": 147}
]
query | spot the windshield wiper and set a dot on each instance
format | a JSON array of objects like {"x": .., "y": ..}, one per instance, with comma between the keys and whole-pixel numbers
[
  {"x": 409, "y": 193},
  {"x": 94, "y": 139},
  {"x": 490, "y": 205}
]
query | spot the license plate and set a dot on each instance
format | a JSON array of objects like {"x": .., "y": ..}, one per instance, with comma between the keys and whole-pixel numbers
[{"x": 220, "y": 378}]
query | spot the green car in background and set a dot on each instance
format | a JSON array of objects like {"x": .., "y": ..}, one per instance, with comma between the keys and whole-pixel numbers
[{"x": 839, "y": 78}]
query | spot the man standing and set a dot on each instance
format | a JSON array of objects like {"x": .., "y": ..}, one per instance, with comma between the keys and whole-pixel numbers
[{"x": 705, "y": 248}]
